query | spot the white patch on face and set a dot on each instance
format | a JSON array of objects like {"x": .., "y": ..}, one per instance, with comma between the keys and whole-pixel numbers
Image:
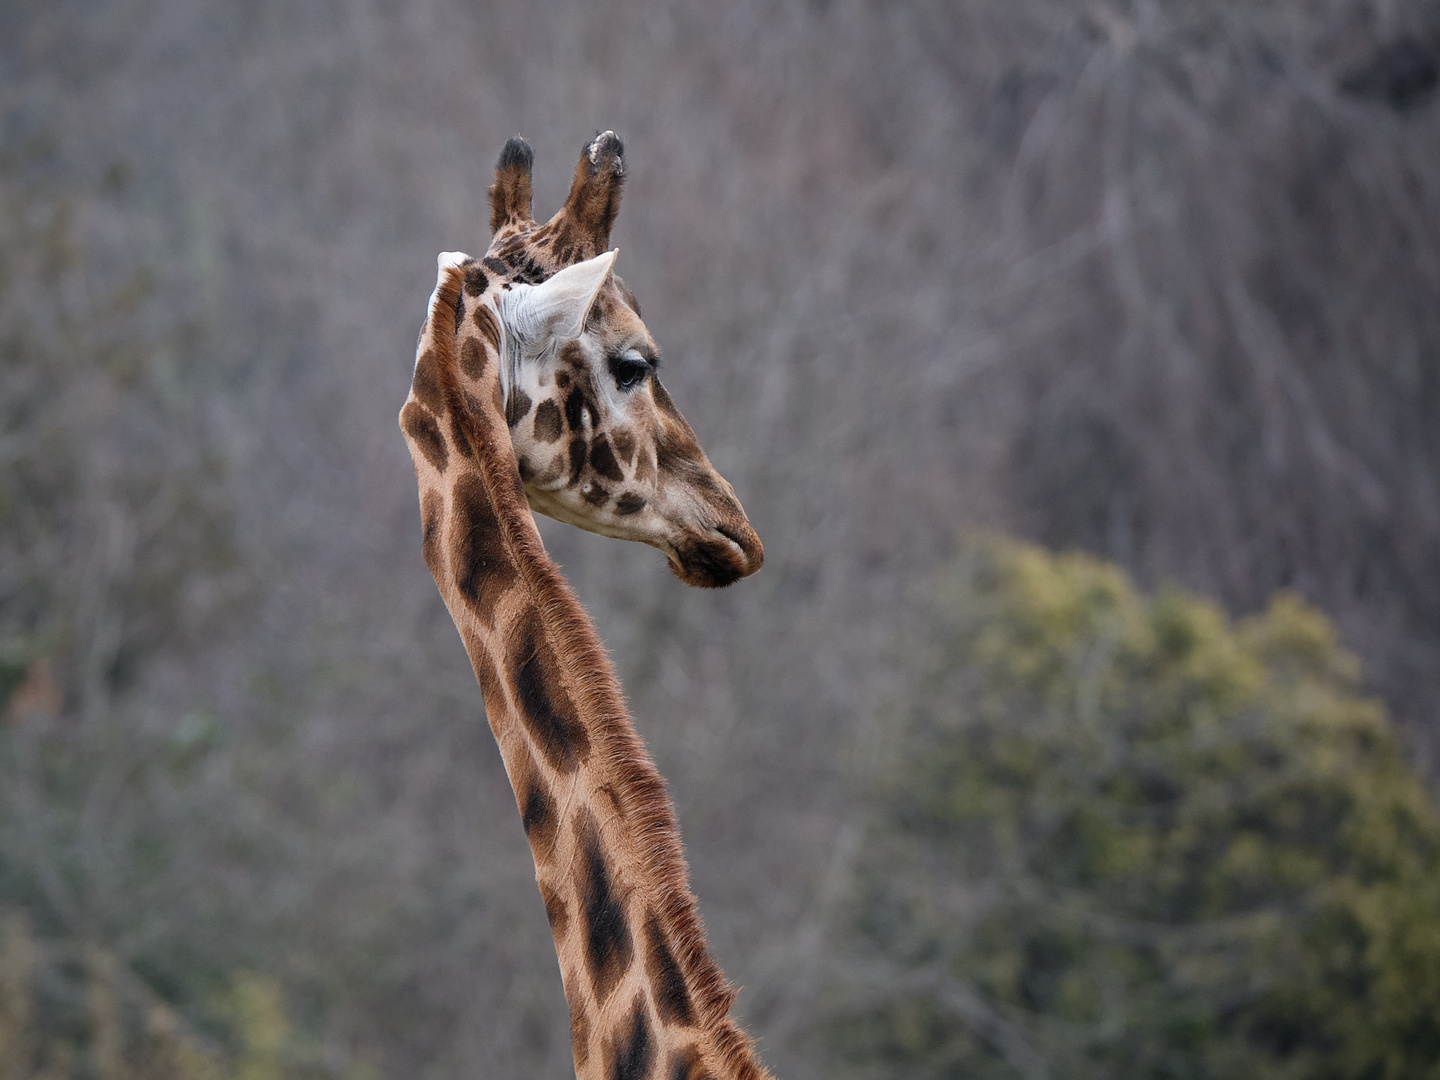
[
  {"x": 532, "y": 379},
  {"x": 612, "y": 402}
]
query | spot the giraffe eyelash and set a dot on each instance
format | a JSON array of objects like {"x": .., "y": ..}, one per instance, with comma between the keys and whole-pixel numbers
[{"x": 630, "y": 369}]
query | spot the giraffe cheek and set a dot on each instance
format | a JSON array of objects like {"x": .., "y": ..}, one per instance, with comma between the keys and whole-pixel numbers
[
  {"x": 645, "y": 469},
  {"x": 630, "y": 503},
  {"x": 546, "y": 473},
  {"x": 602, "y": 460},
  {"x": 548, "y": 424},
  {"x": 624, "y": 443},
  {"x": 579, "y": 451}
]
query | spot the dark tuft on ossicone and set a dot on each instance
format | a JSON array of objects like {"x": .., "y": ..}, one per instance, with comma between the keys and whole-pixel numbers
[{"x": 517, "y": 152}]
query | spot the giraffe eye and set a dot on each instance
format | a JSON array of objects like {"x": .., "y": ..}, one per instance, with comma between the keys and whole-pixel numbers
[{"x": 630, "y": 370}]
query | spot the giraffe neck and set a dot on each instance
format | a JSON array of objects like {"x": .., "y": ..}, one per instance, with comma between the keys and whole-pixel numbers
[{"x": 646, "y": 998}]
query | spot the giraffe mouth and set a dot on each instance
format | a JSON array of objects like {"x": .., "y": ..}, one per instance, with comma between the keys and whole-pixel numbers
[
  {"x": 707, "y": 557},
  {"x": 722, "y": 557}
]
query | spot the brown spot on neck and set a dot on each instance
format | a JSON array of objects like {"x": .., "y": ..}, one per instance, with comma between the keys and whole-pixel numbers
[
  {"x": 488, "y": 327},
  {"x": 579, "y": 1034},
  {"x": 427, "y": 387},
  {"x": 473, "y": 358},
  {"x": 538, "y": 812},
  {"x": 667, "y": 983},
  {"x": 631, "y": 1054},
  {"x": 432, "y": 508},
  {"x": 557, "y": 911},
  {"x": 609, "y": 946},
  {"x": 684, "y": 1064},
  {"x": 425, "y": 432},
  {"x": 545, "y": 706},
  {"x": 483, "y": 570}
]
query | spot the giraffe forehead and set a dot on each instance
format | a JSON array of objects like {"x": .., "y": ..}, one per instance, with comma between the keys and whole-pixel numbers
[{"x": 615, "y": 321}]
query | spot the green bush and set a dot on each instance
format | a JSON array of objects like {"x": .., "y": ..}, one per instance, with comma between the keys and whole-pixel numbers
[{"x": 1124, "y": 837}]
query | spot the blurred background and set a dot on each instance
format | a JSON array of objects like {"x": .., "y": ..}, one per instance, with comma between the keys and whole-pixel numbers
[{"x": 1156, "y": 282}]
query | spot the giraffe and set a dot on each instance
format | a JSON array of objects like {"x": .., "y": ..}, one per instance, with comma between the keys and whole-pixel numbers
[{"x": 535, "y": 387}]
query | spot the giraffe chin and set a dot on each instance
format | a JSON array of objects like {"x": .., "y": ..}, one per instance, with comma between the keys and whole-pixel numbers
[{"x": 715, "y": 561}]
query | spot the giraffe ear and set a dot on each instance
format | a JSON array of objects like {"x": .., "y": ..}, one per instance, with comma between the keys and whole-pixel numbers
[
  {"x": 558, "y": 307},
  {"x": 510, "y": 193}
]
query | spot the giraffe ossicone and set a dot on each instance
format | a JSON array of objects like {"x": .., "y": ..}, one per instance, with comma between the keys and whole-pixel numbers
[{"x": 535, "y": 386}]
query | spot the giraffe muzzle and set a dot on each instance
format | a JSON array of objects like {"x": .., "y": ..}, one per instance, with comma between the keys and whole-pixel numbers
[{"x": 724, "y": 556}]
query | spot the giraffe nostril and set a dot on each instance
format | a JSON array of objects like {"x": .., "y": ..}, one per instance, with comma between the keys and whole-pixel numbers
[
  {"x": 715, "y": 556},
  {"x": 751, "y": 551}
]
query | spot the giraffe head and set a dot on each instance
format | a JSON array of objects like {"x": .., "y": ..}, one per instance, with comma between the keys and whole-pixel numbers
[{"x": 599, "y": 442}]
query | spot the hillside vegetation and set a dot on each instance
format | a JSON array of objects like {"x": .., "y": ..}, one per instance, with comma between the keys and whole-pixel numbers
[{"x": 1121, "y": 837}]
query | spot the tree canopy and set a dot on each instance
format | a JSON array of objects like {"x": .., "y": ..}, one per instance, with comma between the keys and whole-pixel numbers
[{"x": 1123, "y": 836}]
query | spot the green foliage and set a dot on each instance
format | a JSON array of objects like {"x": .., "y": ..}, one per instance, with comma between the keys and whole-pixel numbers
[{"x": 1126, "y": 838}]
